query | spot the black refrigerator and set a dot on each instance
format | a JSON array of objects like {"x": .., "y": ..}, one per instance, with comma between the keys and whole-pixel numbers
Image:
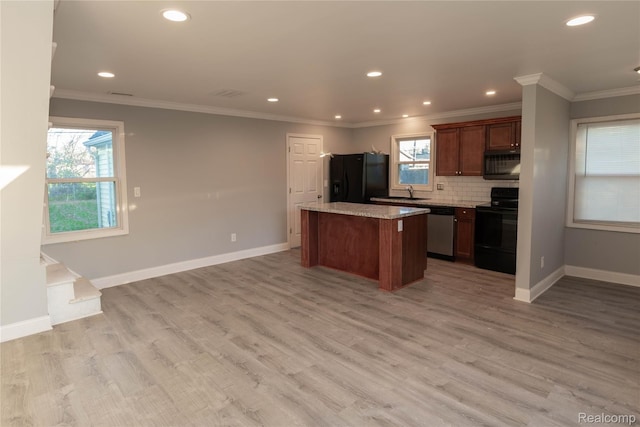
[{"x": 358, "y": 177}]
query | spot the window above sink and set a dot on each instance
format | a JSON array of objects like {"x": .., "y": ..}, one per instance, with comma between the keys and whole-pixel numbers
[{"x": 411, "y": 162}]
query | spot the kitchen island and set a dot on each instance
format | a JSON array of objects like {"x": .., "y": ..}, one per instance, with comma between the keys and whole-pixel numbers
[{"x": 384, "y": 243}]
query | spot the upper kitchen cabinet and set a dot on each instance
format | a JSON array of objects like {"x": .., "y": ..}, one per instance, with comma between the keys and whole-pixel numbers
[
  {"x": 447, "y": 152},
  {"x": 459, "y": 150},
  {"x": 504, "y": 135}
]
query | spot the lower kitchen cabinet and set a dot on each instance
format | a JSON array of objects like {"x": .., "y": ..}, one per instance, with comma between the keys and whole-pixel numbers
[{"x": 465, "y": 229}]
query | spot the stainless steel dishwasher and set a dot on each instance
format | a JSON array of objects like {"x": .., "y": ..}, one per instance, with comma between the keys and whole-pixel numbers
[{"x": 440, "y": 232}]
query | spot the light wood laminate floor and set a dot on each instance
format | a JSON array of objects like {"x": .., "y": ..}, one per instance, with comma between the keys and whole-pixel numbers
[{"x": 264, "y": 341}]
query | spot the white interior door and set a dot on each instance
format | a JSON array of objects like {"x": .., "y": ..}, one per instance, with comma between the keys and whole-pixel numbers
[{"x": 305, "y": 178}]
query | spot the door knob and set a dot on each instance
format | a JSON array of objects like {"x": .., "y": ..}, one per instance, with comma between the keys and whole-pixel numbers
[{"x": 319, "y": 196}]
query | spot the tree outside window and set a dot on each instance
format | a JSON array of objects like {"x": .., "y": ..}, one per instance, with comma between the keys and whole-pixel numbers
[{"x": 84, "y": 182}]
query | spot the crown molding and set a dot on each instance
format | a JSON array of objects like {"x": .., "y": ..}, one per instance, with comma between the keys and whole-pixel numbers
[
  {"x": 610, "y": 93},
  {"x": 547, "y": 83},
  {"x": 446, "y": 115},
  {"x": 194, "y": 108},
  {"x": 529, "y": 79},
  {"x": 539, "y": 78}
]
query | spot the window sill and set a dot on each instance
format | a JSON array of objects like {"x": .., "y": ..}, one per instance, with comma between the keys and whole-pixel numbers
[
  {"x": 75, "y": 236},
  {"x": 605, "y": 227}
]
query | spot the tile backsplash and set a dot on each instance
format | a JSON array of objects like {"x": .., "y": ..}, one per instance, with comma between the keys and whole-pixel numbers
[{"x": 461, "y": 188}]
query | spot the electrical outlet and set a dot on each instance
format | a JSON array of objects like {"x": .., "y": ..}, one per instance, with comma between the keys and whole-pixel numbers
[
  {"x": 136, "y": 191},
  {"x": 233, "y": 237},
  {"x": 440, "y": 187},
  {"x": 541, "y": 262}
]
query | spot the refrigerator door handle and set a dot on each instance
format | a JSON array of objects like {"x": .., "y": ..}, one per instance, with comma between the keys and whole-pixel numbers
[{"x": 346, "y": 186}]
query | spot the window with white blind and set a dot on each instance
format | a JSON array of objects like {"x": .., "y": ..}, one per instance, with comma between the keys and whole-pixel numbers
[{"x": 605, "y": 174}]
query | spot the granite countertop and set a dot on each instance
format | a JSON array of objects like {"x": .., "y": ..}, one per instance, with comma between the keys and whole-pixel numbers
[
  {"x": 431, "y": 202},
  {"x": 366, "y": 210}
]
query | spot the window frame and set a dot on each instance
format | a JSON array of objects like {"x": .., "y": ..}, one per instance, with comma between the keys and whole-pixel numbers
[
  {"x": 571, "y": 199},
  {"x": 394, "y": 179},
  {"x": 119, "y": 179}
]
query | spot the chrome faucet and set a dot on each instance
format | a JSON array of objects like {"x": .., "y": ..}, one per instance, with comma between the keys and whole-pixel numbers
[{"x": 410, "y": 190}]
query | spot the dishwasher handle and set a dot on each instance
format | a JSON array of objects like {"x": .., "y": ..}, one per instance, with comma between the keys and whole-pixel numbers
[{"x": 442, "y": 210}]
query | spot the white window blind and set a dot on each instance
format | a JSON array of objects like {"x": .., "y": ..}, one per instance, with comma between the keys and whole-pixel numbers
[{"x": 607, "y": 173}]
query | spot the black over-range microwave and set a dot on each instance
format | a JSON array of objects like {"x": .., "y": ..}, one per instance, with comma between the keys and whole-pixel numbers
[{"x": 502, "y": 164}]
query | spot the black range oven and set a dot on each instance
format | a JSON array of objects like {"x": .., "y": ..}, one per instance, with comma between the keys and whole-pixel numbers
[{"x": 497, "y": 230}]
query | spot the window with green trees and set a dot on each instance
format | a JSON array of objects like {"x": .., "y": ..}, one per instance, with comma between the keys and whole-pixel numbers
[{"x": 86, "y": 191}]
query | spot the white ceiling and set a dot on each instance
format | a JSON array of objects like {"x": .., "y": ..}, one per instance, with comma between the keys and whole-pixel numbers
[{"x": 313, "y": 55}]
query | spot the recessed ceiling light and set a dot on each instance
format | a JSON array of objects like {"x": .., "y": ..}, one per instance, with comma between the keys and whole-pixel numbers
[
  {"x": 273, "y": 99},
  {"x": 637, "y": 70},
  {"x": 404, "y": 116},
  {"x": 377, "y": 110},
  {"x": 106, "y": 74},
  {"x": 338, "y": 116},
  {"x": 374, "y": 73},
  {"x": 490, "y": 92},
  {"x": 580, "y": 20},
  {"x": 426, "y": 103},
  {"x": 175, "y": 15}
]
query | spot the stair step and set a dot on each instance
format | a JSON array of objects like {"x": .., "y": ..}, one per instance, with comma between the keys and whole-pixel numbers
[
  {"x": 57, "y": 274},
  {"x": 84, "y": 290},
  {"x": 70, "y": 296}
]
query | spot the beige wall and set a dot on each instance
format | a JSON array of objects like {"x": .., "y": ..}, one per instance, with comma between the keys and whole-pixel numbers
[
  {"x": 26, "y": 37},
  {"x": 202, "y": 177},
  {"x": 543, "y": 188}
]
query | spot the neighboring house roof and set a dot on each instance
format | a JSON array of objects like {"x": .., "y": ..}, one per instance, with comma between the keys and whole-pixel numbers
[{"x": 99, "y": 138}]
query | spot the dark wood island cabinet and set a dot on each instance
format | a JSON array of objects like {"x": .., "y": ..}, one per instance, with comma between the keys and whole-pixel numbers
[{"x": 383, "y": 243}]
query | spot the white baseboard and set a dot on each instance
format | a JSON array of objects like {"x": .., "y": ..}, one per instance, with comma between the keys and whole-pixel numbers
[
  {"x": 78, "y": 317},
  {"x": 163, "y": 270},
  {"x": 16, "y": 330},
  {"x": 604, "y": 275},
  {"x": 529, "y": 295}
]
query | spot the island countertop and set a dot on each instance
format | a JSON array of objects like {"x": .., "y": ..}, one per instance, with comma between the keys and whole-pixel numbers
[
  {"x": 365, "y": 210},
  {"x": 419, "y": 202}
]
